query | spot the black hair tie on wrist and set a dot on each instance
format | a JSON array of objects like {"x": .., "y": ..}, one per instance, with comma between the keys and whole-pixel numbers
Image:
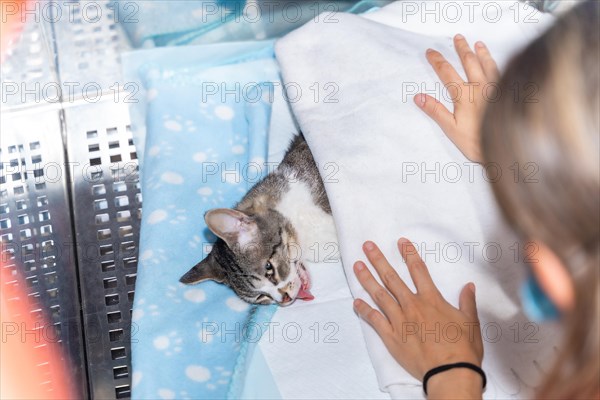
[{"x": 446, "y": 367}]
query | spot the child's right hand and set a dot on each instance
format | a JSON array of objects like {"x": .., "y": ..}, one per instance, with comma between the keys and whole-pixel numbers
[{"x": 469, "y": 98}]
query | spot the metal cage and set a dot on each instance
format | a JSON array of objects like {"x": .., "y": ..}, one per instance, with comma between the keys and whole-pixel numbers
[{"x": 70, "y": 201}]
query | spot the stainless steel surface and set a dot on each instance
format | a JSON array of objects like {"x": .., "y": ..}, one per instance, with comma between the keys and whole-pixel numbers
[
  {"x": 70, "y": 204},
  {"x": 107, "y": 213},
  {"x": 35, "y": 231},
  {"x": 89, "y": 42},
  {"x": 28, "y": 76}
]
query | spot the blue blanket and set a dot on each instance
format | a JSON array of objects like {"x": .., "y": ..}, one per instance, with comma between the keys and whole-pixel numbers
[
  {"x": 157, "y": 23},
  {"x": 173, "y": 22},
  {"x": 202, "y": 151}
]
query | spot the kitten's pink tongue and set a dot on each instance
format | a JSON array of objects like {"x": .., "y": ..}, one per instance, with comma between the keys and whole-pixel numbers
[{"x": 305, "y": 294}]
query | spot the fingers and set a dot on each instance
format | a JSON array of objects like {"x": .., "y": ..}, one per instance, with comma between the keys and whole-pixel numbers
[
  {"x": 490, "y": 69},
  {"x": 479, "y": 66},
  {"x": 436, "y": 111},
  {"x": 417, "y": 268},
  {"x": 378, "y": 293},
  {"x": 387, "y": 273},
  {"x": 446, "y": 72},
  {"x": 469, "y": 60},
  {"x": 373, "y": 317},
  {"x": 466, "y": 302}
]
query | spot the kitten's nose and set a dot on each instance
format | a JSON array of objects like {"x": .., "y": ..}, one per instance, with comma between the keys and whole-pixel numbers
[{"x": 285, "y": 296}]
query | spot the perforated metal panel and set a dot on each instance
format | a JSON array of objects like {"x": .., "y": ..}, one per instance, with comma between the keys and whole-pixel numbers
[
  {"x": 35, "y": 232},
  {"x": 69, "y": 184},
  {"x": 28, "y": 76},
  {"x": 89, "y": 43},
  {"x": 107, "y": 213},
  {"x": 106, "y": 193}
]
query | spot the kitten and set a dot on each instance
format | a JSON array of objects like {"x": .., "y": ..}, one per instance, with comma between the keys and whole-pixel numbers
[{"x": 264, "y": 241}]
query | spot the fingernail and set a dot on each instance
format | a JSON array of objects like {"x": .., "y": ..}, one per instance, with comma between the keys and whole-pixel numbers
[
  {"x": 428, "y": 51},
  {"x": 369, "y": 245},
  {"x": 420, "y": 100},
  {"x": 359, "y": 266},
  {"x": 459, "y": 36},
  {"x": 481, "y": 45},
  {"x": 472, "y": 287}
]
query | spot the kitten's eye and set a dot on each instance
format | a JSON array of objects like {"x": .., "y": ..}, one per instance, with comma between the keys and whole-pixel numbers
[
  {"x": 270, "y": 273},
  {"x": 269, "y": 268}
]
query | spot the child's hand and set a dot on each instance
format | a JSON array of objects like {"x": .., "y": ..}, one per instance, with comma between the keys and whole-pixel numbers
[
  {"x": 469, "y": 98},
  {"x": 421, "y": 330}
]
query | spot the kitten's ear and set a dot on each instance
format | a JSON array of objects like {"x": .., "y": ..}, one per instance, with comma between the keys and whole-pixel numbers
[
  {"x": 207, "y": 269},
  {"x": 233, "y": 226}
]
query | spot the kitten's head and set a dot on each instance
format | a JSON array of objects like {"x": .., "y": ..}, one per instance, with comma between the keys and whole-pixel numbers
[{"x": 256, "y": 255}]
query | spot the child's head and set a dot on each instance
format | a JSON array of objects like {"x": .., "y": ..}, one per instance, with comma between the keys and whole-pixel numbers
[{"x": 543, "y": 133}]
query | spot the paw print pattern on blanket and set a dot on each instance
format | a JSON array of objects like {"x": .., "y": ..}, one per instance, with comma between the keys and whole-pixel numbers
[
  {"x": 178, "y": 124},
  {"x": 196, "y": 153},
  {"x": 170, "y": 343}
]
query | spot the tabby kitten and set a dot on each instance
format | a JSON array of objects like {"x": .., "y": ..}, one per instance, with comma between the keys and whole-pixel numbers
[{"x": 265, "y": 240}]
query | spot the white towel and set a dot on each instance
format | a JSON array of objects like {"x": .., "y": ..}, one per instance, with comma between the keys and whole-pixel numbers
[
  {"x": 321, "y": 333},
  {"x": 382, "y": 147}
]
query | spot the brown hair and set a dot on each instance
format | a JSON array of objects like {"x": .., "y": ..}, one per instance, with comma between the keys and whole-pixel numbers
[{"x": 543, "y": 133}]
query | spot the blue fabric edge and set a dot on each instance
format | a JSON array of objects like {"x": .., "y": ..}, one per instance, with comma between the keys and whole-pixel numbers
[{"x": 238, "y": 378}]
